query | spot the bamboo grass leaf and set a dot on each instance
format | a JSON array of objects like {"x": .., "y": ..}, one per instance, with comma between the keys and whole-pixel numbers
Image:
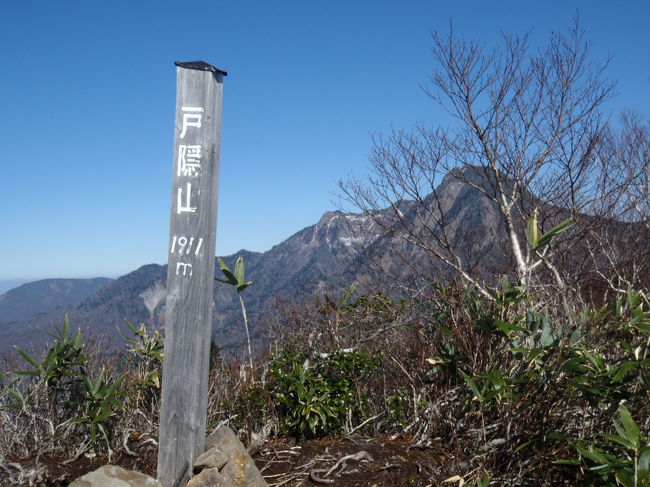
[
  {"x": 556, "y": 230},
  {"x": 239, "y": 270},
  {"x": 27, "y": 357},
  {"x": 631, "y": 429},
  {"x": 625, "y": 479},
  {"x": 533, "y": 230},
  {"x": 618, "y": 439},
  {"x": 644, "y": 461}
]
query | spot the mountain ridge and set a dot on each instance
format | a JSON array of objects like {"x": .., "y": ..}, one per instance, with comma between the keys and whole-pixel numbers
[
  {"x": 45, "y": 295},
  {"x": 303, "y": 263},
  {"x": 327, "y": 256}
]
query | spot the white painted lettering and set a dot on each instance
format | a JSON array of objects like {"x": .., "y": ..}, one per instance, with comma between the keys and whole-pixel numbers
[
  {"x": 185, "y": 245},
  {"x": 191, "y": 119},
  {"x": 182, "y": 242},
  {"x": 185, "y": 206},
  {"x": 185, "y": 267},
  {"x": 189, "y": 160}
]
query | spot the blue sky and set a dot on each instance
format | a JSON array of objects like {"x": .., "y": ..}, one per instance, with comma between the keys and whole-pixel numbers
[{"x": 88, "y": 93}]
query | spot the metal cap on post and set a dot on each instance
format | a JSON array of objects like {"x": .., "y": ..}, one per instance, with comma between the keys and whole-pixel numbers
[
  {"x": 202, "y": 65},
  {"x": 190, "y": 272}
]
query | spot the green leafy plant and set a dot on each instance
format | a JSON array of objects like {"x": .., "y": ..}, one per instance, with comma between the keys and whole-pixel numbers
[
  {"x": 63, "y": 361},
  {"x": 17, "y": 398},
  {"x": 338, "y": 307},
  {"x": 316, "y": 399},
  {"x": 616, "y": 459},
  {"x": 597, "y": 378},
  {"x": 147, "y": 351},
  {"x": 237, "y": 280},
  {"x": 446, "y": 359},
  {"x": 398, "y": 407},
  {"x": 63, "y": 371},
  {"x": 98, "y": 402},
  {"x": 494, "y": 315},
  {"x": 308, "y": 402},
  {"x": 488, "y": 389},
  {"x": 537, "y": 241}
]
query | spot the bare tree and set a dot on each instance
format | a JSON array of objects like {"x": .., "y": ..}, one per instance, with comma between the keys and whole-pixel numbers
[
  {"x": 530, "y": 137},
  {"x": 620, "y": 251}
]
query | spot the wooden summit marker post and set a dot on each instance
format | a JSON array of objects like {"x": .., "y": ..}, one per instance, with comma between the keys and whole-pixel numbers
[{"x": 190, "y": 273}]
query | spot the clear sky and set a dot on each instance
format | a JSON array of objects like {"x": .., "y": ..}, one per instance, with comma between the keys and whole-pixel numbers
[{"x": 88, "y": 94}]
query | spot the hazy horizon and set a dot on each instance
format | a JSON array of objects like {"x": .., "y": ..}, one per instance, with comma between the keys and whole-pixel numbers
[{"x": 9, "y": 284}]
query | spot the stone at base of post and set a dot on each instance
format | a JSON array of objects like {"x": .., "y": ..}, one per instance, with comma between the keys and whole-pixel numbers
[
  {"x": 226, "y": 463},
  {"x": 113, "y": 475}
]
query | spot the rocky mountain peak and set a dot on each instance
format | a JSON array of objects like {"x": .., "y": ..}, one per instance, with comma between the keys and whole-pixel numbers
[{"x": 330, "y": 254}]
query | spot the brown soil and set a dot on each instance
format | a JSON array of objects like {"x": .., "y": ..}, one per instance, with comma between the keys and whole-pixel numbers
[
  {"x": 371, "y": 462},
  {"x": 53, "y": 471},
  {"x": 386, "y": 462}
]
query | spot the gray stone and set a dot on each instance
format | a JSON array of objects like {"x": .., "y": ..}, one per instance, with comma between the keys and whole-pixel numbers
[
  {"x": 226, "y": 463},
  {"x": 239, "y": 469},
  {"x": 114, "y": 476},
  {"x": 209, "y": 477},
  {"x": 212, "y": 458},
  {"x": 225, "y": 439}
]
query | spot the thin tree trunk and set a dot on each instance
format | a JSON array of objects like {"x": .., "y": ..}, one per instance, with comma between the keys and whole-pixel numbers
[{"x": 248, "y": 338}]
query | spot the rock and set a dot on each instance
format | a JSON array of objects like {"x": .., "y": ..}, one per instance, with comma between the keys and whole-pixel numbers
[
  {"x": 210, "y": 477},
  {"x": 225, "y": 463},
  {"x": 239, "y": 469},
  {"x": 223, "y": 438},
  {"x": 258, "y": 440},
  {"x": 114, "y": 476},
  {"x": 212, "y": 458}
]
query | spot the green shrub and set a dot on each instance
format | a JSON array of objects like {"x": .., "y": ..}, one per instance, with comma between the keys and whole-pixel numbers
[
  {"x": 614, "y": 459},
  {"x": 73, "y": 394},
  {"x": 316, "y": 399},
  {"x": 147, "y": 353},
  {"x": 98, "y": 402},
  {"x": 64, "y": 362}
]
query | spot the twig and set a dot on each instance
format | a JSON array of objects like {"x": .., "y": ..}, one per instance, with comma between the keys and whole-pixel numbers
[
  {"x": 313, "y": 476},
  {"x": 342, "y": 463},
  {"x": 150, "y": 441},
  {"x": 82, "y": 449},
  {"x": 360, "y": 342},
  {"x": 15, "y": 465},
  {"x": 362, "y": 455},
  {"x": 364, "y": 423},
  {"x": 125, "y": 447},
  {"x": 225, "y": 421}
]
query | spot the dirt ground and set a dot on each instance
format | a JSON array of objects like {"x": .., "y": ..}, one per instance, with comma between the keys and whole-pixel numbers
[
  {"x": 343, "y": 462},
  {"x": 340, "y": 462}
]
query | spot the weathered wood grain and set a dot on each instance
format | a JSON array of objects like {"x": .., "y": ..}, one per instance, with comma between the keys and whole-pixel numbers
[{"x": 190, "y": 273}]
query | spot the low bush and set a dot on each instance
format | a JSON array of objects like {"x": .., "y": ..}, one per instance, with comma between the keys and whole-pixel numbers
[{"x": 317, "y": 398}]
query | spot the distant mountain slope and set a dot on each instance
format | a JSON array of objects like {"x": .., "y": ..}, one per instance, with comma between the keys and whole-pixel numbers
[
  {"x": 327, "y": 256},
  {"x": 316, "y": 257},
  {"x": 9, "y": 284},
  {"x": 20, "y": 303}
]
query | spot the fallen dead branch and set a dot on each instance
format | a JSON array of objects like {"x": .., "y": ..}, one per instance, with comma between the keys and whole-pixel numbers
[{"x": 340, "y": 465}]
